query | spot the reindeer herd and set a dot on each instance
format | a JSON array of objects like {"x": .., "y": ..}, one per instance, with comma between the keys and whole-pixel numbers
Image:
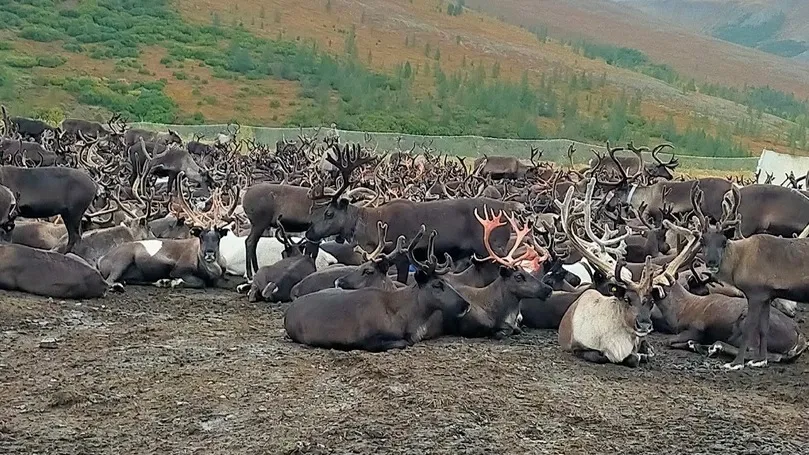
[{"x": 401, "y": 246}]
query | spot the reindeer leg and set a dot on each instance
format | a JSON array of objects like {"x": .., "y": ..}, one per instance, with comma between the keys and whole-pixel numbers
[
  {"x": 749, "y": 330},
  {"x": 250, "y": 247},
  {"x": 763, "y": 329},
  {"x": 686, "y": 340},
  {"x": 73, "y": 226},
  {"x": 591, "y": 355}
]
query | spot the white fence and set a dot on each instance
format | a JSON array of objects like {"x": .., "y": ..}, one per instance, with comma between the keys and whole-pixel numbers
[{"x": 552, "y": 149}]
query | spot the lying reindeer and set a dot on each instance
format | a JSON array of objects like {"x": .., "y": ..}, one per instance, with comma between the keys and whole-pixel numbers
[
  {"x": 612, "y": 328},
  {"x": 193, "y": 263},
  {"x": 375, "y": 319}
]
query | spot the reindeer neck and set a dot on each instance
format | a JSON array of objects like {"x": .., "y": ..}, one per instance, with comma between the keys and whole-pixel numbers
[
  {"x": 733, "y": 255},
  {"x": 676, "y": 304},
  {"x": 638, "y": 194},
  {"x": 365, "y": 231}
]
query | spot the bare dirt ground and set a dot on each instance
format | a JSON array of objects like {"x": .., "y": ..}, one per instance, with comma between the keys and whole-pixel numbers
[{"x": 155, "y": 371}]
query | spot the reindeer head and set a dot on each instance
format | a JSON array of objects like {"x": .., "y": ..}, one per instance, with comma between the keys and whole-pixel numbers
[
  {"x": 374, "y": 271},
  {"x": 637, "y": 295},
  {"x": 433, "y": 289},
  {"x": 338, "y": 216},
  {"x": 209, "y": 226},
  {"x": 515, "y": 271},
  {"x": 715, "y": 237}
]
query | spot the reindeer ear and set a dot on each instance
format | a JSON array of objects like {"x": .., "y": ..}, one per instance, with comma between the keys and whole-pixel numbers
[
  {"x": 343, "y": 203},
  {"x": 617, "y": 290},
  {"x": 421, "y": 277},
  {"x": 196, "y": 231},
  {"x": 658, "y": 293},
  {"x": 506, "y": 272}
]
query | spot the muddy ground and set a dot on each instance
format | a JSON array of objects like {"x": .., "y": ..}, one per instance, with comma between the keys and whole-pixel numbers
[{"x": 155, "y": 371}]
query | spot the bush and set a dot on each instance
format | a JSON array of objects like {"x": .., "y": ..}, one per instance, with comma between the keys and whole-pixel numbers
[
  {"x": 40, "y": 33},
  {"x": 21, "y": 61},
  {"x": 51, "y": 61},
  {"x": 180, "y": 76}
]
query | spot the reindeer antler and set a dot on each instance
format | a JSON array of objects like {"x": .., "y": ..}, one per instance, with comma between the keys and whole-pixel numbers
[{"x": 382, "y": 233}]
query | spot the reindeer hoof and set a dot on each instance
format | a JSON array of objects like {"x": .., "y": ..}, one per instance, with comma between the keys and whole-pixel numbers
[
  {"x": 733, "y": 366},
  {"x": 714, "y": 349},
  {"x": 163, "y": 283},
  {"x": 117, "y": 287},
  {"x": 177, "y": 283},
  {"x": 243, "y": 288},
  {"x": 757, "y": 363}
]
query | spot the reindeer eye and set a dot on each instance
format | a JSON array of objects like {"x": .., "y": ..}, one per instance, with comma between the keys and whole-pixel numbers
[
  {"x": 329, "y": 214},
  {"x": 366, "y": 272},
  {"x": 519, "y": 277},
  {"x": 438, "y": 285}
]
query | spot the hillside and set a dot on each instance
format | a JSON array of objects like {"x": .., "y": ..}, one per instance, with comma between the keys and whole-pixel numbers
[
  {"x": 421, "y": 67},
  {"x": 779, "y": 27}
]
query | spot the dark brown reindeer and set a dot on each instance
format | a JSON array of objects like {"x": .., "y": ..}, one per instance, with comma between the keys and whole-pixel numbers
[
  {"x": 506, "y": 167},
  {"x": 459, "y": 233},
  {"x": 712, "y": 323},
  {"x": 661, "y": 170},
  {"x": 376, "y": 319},
  {"x": 495, "y": 308},
  {"x": 762, "y": 266},
  {"x": 49, "y": 191},
  {"x": 274, "y": 283},
  {"x": 663, "y": 196},
  {"x": 374, "y": 271},
  {"x": 651, "y": 243},
  {"x": 771, "y": 209},
  {"x": 49, "y": 274},
  {"x": 193, "y": 263}
]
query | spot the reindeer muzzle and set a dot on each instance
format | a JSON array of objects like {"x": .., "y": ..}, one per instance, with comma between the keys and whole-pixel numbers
[{"x": 209, "y": 257}]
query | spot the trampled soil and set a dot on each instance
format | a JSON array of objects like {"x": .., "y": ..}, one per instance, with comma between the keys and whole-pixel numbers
[{"x": 154, "y": 371}]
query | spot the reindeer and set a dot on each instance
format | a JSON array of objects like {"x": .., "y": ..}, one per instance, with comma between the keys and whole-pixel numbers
[
  {"x": 14, "y": 151},
  {"x": 661, "y": 170},
  {"x": 495, "y": 308},
  {"x": 663, "y": 196},
  {"x": 459, "y": 231},
  {"x": 712, "y": 323},
  {"x": 375, "y": 319},
  {"x": 49, "y": 274},
  {"x": 321, "y": 279},
  {"x": 274, "y": 283},
  {"x": 610, "y": 329},
  {"x": 44, "y": 192},
  {"x": 506, "y": 167},
  {"x": 74, "y": 129},
  {"x": 762, "y": 266},
  {"x": 134, "y": 136},
  {"x": 193, "y": 263},
  {"x": 374, "y": 271}
]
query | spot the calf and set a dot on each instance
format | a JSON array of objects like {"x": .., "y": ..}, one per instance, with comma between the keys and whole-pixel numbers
[{"x": 376, "y": 319}]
